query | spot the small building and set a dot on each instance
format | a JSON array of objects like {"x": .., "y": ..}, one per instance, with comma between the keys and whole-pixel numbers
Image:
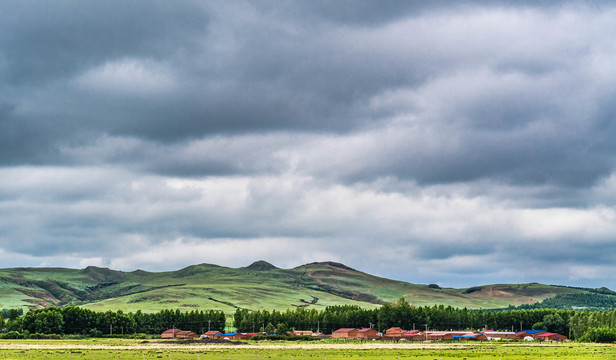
[
  {"x": 499, "y": 335},
  {"x": 551, "y": 337},
  {"x": 393, "y": 333},
  {"x": 530, "y": 333},
  {"x": 301, "y": 332},
  {"x": 415, "y": 336},
  {"x": 170, "y": 334},
  {"x": 234, "y": 336},
  {"x": 348, "y": 333},
  {"x": 212, "y": 333},
  {"x": 411, "y": 332},
  {"x": 186, "y": 335},
  {"x": 445, "y": 335},
  {"x": 475, "y": 337},
  {"x": 368, "y": 333},
  {"x": 440, "y": 337}
]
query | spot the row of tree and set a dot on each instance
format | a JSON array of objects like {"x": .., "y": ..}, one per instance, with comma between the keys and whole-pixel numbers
[
  {"x": 403, "y": 315},
  {"x": 76, "y": 320}
]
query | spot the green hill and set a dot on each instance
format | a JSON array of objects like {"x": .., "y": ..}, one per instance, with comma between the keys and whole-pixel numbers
[{"x": 258, "y": 286}]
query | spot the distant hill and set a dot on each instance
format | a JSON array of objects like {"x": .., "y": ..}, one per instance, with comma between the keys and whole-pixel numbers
[{"x": 257, "y": 286}]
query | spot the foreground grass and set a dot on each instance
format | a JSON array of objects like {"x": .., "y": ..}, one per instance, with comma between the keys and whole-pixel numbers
[{"x": 130, "y": 349}]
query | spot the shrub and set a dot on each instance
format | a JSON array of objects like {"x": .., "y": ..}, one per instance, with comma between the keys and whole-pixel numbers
[
  {"x": 95, "y": 333},
  {"x": 600, "y": 335},
  {"x": 11, "y": 335}
]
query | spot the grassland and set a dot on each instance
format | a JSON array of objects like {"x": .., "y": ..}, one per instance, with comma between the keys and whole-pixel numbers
[
  {"x": 125, "y": 349},
  {"x": 258, "y": 286}
]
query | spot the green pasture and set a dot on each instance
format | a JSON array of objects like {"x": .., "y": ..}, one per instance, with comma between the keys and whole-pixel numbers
[{"x": 129, "y": 350}]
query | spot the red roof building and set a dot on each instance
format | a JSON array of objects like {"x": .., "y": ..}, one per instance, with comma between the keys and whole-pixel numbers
[
  {"x": 212, "y": 333},
  {"x": 186, "y": 335},
  {"x": 170, "y": 334},
  {"x": 552, "y": 337},
  {"x": 368, "y": 333},
  {"x": 394, "y": 331},
  {"x": 302, "y": 332},
  {"x": 348, "y": 333}
]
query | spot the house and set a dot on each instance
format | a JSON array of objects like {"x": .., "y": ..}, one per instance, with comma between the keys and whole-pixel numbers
[
  {"x": 529, "y": 333},
  {"x": 445, "y": 335},
  {"x": 552, "y": 337},
  {"x": 413, "y": 336},
  {"x": 234, "y": 336},
  {"x": 394, "y": 332},
  {"x": 348, "y": 333},
  {"x": 301, "y": 332},
  {"x": 170, "y": 334},
  {"x": 368, "y": 333},
  {"x": 474, "y": 337},
  {"x": 498, "y": 335},
  {"x": 212, "y": 333},
  {"x": 186, "y": 335}
]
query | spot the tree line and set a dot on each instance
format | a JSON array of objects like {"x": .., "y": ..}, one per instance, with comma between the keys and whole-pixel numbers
[
  {"x": 401, "y": 314},
  {"x": 80, "y": 321},
  {"x": 593, "y": 326}
]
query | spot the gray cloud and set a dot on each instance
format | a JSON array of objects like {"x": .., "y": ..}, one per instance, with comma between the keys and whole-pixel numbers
[{"x": 450, "y": 133}]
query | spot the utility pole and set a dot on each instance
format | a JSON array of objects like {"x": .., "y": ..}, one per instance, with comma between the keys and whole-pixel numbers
[
  {"x": 208, "y": 324},
  {"x": 110, "y": 329},
  {"x": 520, "y": 325},
  {"x": 426, "y": 331},
  {"x": 318, "y": 326},
  {"x": 413, "y": 326}
]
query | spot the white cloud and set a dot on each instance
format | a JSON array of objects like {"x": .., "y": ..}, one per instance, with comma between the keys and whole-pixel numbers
[{"x": 129, "y": 76}]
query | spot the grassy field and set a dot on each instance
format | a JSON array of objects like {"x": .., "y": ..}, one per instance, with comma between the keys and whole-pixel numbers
[{"x": 125, "y": 349}]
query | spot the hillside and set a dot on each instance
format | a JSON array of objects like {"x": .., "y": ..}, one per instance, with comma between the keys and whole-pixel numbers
[{"x": 258, "y": 286}]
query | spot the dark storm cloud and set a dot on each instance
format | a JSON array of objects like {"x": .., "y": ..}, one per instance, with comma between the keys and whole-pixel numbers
[
  {"x": 42, "y": 42},
  {"x": 238, "y": 68}
]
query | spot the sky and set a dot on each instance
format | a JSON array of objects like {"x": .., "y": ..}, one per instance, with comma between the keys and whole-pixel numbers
[{"x": 451, "y": 142}]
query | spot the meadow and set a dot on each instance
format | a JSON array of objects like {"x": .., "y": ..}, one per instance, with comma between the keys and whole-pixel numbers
[{"x": 117, "y": 349}]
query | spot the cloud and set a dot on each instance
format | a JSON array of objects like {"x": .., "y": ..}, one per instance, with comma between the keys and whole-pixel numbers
[
  {"x": 438, "y": 139},
  {"x": 128, "y": 77}
]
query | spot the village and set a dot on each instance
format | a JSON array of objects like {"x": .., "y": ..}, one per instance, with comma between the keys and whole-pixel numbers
[{"x": 392, "y": 334}]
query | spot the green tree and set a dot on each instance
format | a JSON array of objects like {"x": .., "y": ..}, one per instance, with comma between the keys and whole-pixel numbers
[
  {"x": 13, "y": 314},
  {"x": 270, "y": 329},
  {"x": 554, "y": 323},
  {"x": 282, "y": 329}
]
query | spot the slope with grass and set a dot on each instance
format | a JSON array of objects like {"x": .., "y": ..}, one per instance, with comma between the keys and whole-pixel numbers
[{"x": 258, "y": 286}]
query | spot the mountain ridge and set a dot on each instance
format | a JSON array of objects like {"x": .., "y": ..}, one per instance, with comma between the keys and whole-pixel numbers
[{"x": 259, "y": 285}]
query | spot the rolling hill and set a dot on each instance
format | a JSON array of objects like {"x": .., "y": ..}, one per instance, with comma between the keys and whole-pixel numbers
[{"x": 258, "y": 286}]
